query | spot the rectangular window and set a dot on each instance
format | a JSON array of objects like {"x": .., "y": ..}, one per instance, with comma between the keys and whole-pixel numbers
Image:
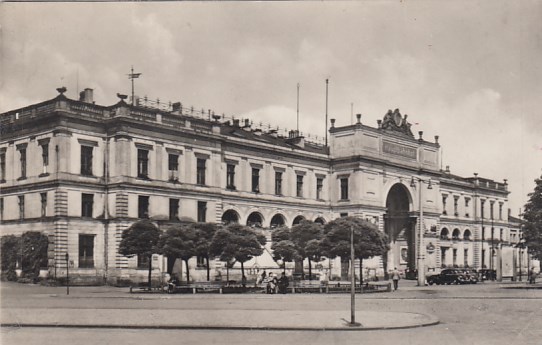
[
  {"x": 491, "y": 203},
  {"x": 482, "y": 207},
  {"x": 1, "y": 208},
  {"x": 454, "y": 257},
  {"x": 23, "y": 162},
  {"x": 344, "y": 188},
  {"x": 484, "y": 258},
  {"x": 200, "y": 172},
  {"x": 87, "y": 203},
  {"x": 456, "y": 201},
  {"x": 319, "y": 188},
  {"x": 45, "y": 156},
  {"x": 467, "y": 207},
  {"x": 443, "y": 256},
  {"x": 465, "y": 257},
  {"x": 202, "y": 211},
  {"x": 21, "y": 206},
  {"x": 2, "y": 167},
  {"x": 278, "y": 182},
  {"x": 343, "y": 214},
  {"x": 200, "y": 261},
  {"x": 230, "y": 176},
  {"x": 86, "y": 251},
  {"x": 142, "y": 163},
  {"x": 444, "y": 205},
  {"x": 173, "y": 209},
  {"x": 255, "y": 180},
  {"x": 299, "y": 186},
  {"x": 500, "y": 211},
  {"x": 43, "y": 197},
  {"x": 142, "y": 262},
  {"x": 143, "y": 207},
  {"x": 173, "y": 167},
  {"x": 86, "y": 160}
]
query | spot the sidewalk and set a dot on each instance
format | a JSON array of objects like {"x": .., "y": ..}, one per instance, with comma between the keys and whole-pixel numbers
[{"x": 205, "y": 319}]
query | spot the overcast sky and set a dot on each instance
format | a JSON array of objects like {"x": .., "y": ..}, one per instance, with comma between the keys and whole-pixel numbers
[{"x": 468, "y": 71}]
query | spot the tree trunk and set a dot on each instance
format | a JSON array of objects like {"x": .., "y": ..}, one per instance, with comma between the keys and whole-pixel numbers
[
  {"x": 208, "y": 269},
  {"x": 227, "y": 274},
  {"x": 310, "y": 269},
  {"x": 242, "y": 269},
  {"x": 150, "y": 272},
  {"x": 284, "y": 267},
  {"x": 361, "y": 274},
  {"x": 345, "y": 265},
  {"x": 187, "y": 272}
]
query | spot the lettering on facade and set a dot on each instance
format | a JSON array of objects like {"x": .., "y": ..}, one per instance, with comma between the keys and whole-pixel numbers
[{"x": 399, "y": 150}]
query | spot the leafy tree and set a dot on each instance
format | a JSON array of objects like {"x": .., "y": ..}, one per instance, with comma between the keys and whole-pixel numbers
[
  {"x": 237, "y": 242},
  {"x": 141, "y": 238},
  {"x": 368, "y": 240},
  {"x": 10, "y": 251},
  {"x": 34, "y": 253},
  {"x": 532, "y": 221},
  {"x": 306, "y": 237},
  {"x": 204, "y": 236},
  {"x": 179, "y": 241},
  {"x": 283, "y": 247}
]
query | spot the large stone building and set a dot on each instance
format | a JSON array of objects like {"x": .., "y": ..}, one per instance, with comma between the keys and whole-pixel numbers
[{"x": 82, "y": 173}]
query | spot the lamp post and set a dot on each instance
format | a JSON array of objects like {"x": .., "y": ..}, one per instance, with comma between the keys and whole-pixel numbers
[
  {"x": 352, "y": 281},
  {"x": 67, "y": 274},
  {"x": 421, "y": 256}
]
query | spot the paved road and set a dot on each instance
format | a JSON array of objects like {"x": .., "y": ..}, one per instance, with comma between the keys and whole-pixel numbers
[{"x": 478, "y": 314}]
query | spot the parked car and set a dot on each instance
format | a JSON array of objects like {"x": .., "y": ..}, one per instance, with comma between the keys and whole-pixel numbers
[
  {"x": 471, "y": 275},
  {"x": 486, "y": 274},
  {"x": 448, "y": 276}
]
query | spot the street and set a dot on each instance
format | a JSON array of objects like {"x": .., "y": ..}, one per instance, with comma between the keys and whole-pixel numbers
[{"x": 487, "y": 313}]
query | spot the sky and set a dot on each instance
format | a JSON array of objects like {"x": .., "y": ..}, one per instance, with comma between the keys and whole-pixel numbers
[{"x": 468, "y": 71}]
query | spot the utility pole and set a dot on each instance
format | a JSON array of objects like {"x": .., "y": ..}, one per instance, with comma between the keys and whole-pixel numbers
[{"x": 327, "y": 82}]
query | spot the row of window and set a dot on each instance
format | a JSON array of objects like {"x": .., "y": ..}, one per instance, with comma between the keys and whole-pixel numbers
[{"x": 467, "y": 202}]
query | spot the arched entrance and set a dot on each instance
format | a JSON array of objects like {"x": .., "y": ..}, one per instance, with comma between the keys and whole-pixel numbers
[
  {"x": 298, "y": 220},
  {"x": 277, "y": 221},
  {"x": 400, "y": 227},
  {"x": 255, "y": 220}
]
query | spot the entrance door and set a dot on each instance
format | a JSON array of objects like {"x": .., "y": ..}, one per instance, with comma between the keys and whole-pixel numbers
[{"x": 399, "y": 226}]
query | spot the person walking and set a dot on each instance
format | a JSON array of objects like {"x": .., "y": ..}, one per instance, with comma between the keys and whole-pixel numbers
[
  {"x": 395, "y": 277},
  {"x": 283, "y": 283}
]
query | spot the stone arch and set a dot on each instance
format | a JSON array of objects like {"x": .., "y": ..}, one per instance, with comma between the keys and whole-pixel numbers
[
  {"x": 456, "y": 234},
  {"x": 298, "y": 220},
  {"x": 467, "y": 235},
  {"x": 277, "y": 221},
  {"x": 230, "y": 216},
  {"x": 320, "y": 220},
  {"x": 255, "y": 220},
  {"x": 444, "y": 234}
]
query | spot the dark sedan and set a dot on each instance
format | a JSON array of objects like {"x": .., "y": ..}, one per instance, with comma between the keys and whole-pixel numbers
[{"x": 448, "y": 276}]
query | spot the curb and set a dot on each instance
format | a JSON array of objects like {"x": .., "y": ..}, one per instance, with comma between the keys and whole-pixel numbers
[{"x": 237, "y": 328}]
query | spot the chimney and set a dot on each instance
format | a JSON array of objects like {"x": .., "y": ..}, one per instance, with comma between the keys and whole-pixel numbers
[
  {"x": 420, "y": 133},
  {"x": 86, "y": 96},
  {"x": 236, "y": 123},
  {"x": 295, "y": 138},
  {"x": 379, "y": 122},
  {"x": 358, "y": 116}
]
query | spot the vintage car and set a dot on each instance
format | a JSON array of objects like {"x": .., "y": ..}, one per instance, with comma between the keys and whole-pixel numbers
[{"x": 448, "y": 276}]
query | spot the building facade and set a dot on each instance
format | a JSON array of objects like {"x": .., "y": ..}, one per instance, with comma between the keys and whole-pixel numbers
[{"x": 82, "y": 173}]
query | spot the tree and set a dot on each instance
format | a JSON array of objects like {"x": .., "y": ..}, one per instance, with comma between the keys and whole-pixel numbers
[
  {"x": 141, "y": 238},
  {"x": 368, "y": 240},
  {"x": 10, "y": 252},
  {"x": 34, "y": 253},
  {"x": 238, "y": 242},
  {"x": 532, "y": 221},
  {"x": 306, "y": 237},
  {"x": 204, "y": 236},
  {"x": 179, "y": 241},
  {"x": 283, "y": 248}
]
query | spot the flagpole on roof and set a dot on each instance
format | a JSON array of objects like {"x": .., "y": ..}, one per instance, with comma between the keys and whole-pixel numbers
[
  {"x": 133, "y": 76},
  {"x": 327, "y": 82},
  {"x": 298, "y": 108}
]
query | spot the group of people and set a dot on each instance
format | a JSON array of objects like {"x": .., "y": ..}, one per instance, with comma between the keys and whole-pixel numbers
[{"x": 273, "y": 284}]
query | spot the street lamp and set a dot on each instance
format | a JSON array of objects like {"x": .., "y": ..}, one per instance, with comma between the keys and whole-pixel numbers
[
  {"x": 67, "y": 274},
  {"x": 353, "y": 322},
  {"x": 421, "y": 256}
]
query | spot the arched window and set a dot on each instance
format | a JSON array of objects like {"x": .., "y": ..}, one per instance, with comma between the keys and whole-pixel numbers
[
  {"x": 467, "y": 235},
  {"x": 444, "y": 234},
  {"x": 230, "y": 216},
  {"x": 320, "y": 220},
  {"x": 298, "y": 220},
  {"x": 255, "y": 220},
  {"x": 456, "y": 234},
  {"x": 277, "y": 221}
]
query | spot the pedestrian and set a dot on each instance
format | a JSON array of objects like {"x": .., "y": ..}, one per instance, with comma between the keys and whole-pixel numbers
[
  {"x": 271, "y": 283},
  {"x": 283, "y": 283},
  {"x": 395, "y": 277},
  {"x": 532, "y": 276}
]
